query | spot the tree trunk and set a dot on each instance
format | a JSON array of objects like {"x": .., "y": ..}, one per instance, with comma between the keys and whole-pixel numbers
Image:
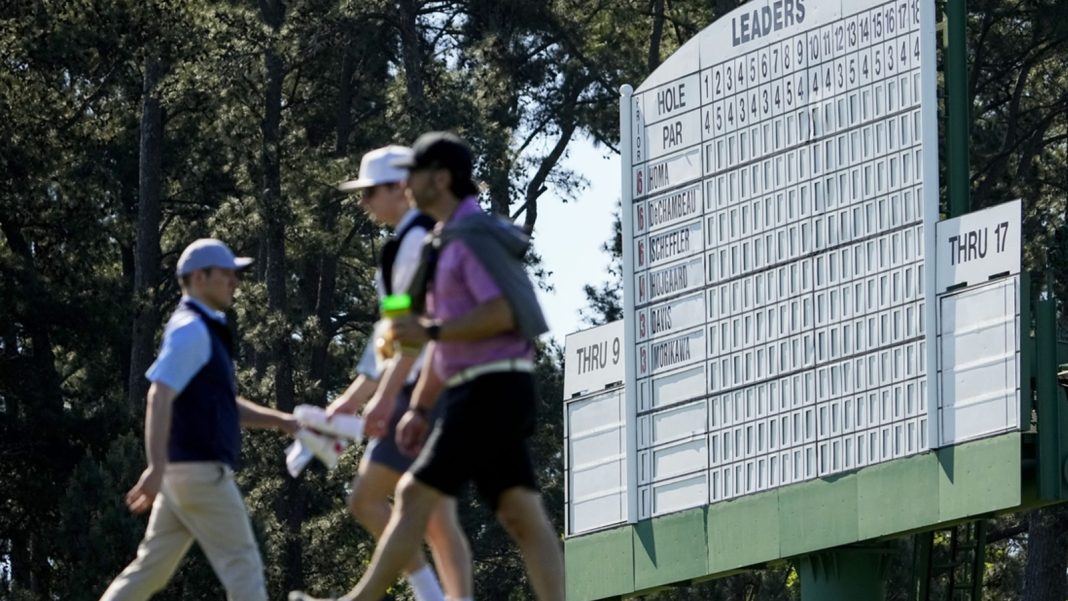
[
  {"x": 41, "y": 569},
  {"x": 328, "y": 211},
  {"x": 20, "y": 572},
  {"x": 657, "y": 36},
  {"x": 44, "y": 381},
  {"x": 291, "y": 501},
  {"x": 147, "y": 250},
  {"x": 275, "y": 215},
  {"x": 48, "y": 444},
  {"x": 324, "y": 308},
  {"x": 344, "y": 99},
  {"x": 536, "y": 187},
  {"x": 500, "y": 188},
  {"x": 412, "y": 55},
  {"x": 1047, "y": 554}
]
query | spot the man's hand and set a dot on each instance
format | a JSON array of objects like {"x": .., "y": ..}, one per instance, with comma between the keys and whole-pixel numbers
[
  {"x": 411, "y": 432},
  {"x": 409, "y": 331},
  {"x": 141, "y": 496},
  {"x": 354, "y": 396},
  {"x": 376, "y": 415},
  {"x": 342, "y": 404}
]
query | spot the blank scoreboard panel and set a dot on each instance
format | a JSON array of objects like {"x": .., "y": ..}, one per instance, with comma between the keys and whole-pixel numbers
[
  {"x": 777, "y": 238},
  {"x": 595, "y": 464}
]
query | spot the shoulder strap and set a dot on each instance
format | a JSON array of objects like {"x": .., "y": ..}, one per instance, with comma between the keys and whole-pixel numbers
[
  {"x": 390, "y": 250},
  {"x": 424, "y": 274}
]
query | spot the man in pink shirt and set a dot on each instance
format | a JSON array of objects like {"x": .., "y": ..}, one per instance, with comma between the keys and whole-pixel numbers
[{"x": 479, "y": 326}]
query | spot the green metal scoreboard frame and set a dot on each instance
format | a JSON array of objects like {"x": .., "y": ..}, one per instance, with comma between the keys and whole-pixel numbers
[{"x": 813, "y": 361}]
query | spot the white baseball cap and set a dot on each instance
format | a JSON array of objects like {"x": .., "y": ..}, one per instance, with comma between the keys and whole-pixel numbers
[
  {"x": 380, "y": 167},
  {"x": 209, "y": 252}
]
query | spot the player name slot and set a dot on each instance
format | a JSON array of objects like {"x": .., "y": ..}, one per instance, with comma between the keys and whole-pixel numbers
[
  {"x": 667, "y": 173},
  {"x": 676, "y": 315},
  {"x": 676, "y": 243},
  {"x": 674, "y": 207},
  {"x": 688, "y": 383},
  {"x": 672, "y": 352},
  {"x": 659, "y": 320},
  {"x": 676, "y": 351},
  {"x": 669, "y": 281}
]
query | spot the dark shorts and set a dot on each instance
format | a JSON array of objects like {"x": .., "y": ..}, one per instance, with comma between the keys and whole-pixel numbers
[
  {"x": 482, "y": 437},
  {"x": 384, "y": 451}
]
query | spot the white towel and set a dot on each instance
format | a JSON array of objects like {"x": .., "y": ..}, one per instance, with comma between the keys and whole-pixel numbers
[
  {"x": 322, "y": 437},
  {"x": 340, "y": 425},
  {"x": 297, "y": 458}
]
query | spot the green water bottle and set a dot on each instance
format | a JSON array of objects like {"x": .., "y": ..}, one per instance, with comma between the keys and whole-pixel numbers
[{"x": 392, "y": 307}]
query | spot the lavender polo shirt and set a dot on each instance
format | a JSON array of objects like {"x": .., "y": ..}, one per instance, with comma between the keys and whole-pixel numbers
[{"x": 461, "y": 283}]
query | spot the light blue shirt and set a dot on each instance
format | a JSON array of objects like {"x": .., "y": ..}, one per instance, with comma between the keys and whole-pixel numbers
[{"x": 186, "y": 348}]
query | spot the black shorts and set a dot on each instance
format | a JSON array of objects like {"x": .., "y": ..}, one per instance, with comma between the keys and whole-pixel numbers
[
  {"x": 481, "y": 436},
  {"x": 384, "y": 450}
]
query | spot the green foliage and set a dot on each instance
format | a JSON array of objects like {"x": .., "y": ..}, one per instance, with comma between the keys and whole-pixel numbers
[
  {"x": 95, "y": 525},
  {"x": 513, "y": 78},
  {"x": 606, "y": 298}
]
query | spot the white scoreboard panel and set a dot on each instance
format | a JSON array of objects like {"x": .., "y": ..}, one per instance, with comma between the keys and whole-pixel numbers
[
  {"x": 780, "y": 203},
  {"x": 596, "y": 457},
  {"x": 977, "y": 291},
  {"x": 595, "y": 461}
]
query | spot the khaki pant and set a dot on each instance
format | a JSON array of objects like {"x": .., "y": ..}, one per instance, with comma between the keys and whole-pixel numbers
[{"x": 198, "y": 501}]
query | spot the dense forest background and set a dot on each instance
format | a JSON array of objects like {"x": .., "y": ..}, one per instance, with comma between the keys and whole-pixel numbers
[{"x": 129, "y": 128}]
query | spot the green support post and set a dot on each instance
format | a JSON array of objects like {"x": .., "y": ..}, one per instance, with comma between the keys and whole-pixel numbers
[
  {"x": 1052, "y": 417},
  {"x": 958, "y": 105},
  {"x": 844, "y": 573},
  {"x": 979, "y": 560},
  {"x": 921, "y": 566}
]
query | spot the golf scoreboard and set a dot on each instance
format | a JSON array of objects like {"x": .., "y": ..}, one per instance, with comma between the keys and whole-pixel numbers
[{"x": 780, "y": 189}]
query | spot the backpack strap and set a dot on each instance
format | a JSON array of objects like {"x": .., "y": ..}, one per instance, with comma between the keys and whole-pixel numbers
[
  {"x": 424, "y": 274},
  {"x": 391, "y": 248}
]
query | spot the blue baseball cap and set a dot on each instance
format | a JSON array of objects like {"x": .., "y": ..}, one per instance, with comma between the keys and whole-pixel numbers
[{"x": 209, "y": 252}]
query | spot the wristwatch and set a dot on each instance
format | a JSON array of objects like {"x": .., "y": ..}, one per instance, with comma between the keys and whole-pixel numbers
[{"x": 433, "y": 331}]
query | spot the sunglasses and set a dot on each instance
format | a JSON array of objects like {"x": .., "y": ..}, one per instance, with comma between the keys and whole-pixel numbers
[{"x": 368, "y": 193}]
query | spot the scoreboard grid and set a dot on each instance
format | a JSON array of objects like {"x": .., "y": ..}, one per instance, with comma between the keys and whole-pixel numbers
[{"x": 798, "y": 223}]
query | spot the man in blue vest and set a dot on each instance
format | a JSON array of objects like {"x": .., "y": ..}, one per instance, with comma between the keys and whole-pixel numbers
[{"x": 193, "y": 440}]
